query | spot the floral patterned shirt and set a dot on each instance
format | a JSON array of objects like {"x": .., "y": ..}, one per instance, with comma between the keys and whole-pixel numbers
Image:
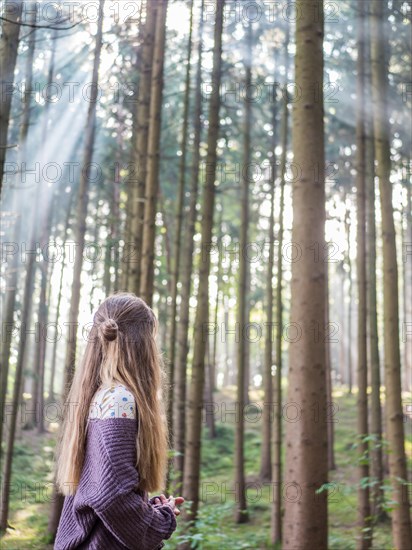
[{"x": 115, "y": 401}]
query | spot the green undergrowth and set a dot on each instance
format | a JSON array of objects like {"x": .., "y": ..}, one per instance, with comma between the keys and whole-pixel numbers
[{"x": 215, "y": 528}]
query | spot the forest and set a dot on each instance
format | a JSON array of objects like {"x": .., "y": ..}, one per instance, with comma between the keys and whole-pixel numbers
[{"x": 245, "y": 168}]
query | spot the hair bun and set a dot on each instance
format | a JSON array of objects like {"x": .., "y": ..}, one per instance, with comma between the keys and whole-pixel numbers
[{"x": 109, "y": 329}]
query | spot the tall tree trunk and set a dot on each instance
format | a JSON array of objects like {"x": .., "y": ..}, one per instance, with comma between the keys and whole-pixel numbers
[
  {"x": 241, "y": 515},
  {"x": 330, "y": 424},
  {"x": 407, "y": 285},
  {"x": 79, "y": 237},
  {"x": 208, "y": 395},
  {"x": 374, "y": 359},
  {"x": 22, "y": 350},
  {"x": 401, "y": 523},
  {"x": 277, "y": 433},
  {"x": 246, "y": 369},
  {"x": 364, "y": 538},
  {"x": 59, "y": 299},
  {"x": 43, "y": 308},
  {"x": 349, "y": 335},
  {"x": 9, "y": 43},
  {"x": 129, "y": 254},
  {"x": 267, "y": 421},
  {"x": 26, "y": 308},
  {"x": 195, "y": 405},
  {"x": 306, "y": 523},
  {"x": 179, "y": 402},
  {"x": 342, "y": 346},
  {"x": 179, "y": 222},
  {"x": 153, "y": 157},
  {"x": 213, "y": 373},
  {"x": 131, "y": 277},
  {"x": 24, "y": 130},
  {"x": 82, "y": 204}
]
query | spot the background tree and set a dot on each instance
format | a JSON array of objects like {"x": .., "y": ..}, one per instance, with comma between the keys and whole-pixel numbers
[
  {"x": 8, "y": 54},
  {"x": 401, "y": 523},
  {"x": 153, "y": 143},
  {"x": 192, "y": 448},
  {"x": 305, "y": 523},
  {"x": 362, "y": 371}
]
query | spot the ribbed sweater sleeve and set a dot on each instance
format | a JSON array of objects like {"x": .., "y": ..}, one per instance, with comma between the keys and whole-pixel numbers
[{"x": 126, "y": 513}]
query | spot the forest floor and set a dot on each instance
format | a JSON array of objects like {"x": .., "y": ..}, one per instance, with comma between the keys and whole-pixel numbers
[{"x": 215, "y": 528}]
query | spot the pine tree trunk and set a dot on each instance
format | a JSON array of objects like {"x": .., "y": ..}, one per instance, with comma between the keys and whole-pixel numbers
[
  {"x": 306, "y": 524},
  {"x": 131, "y": 277},
  {"x": 374, "y": 359},
  {"x": 267, "y": 421},
  {"x": 26, "y": 309},
  {"x": 330, "y": 424},
  {"x": 179, "y": 402},
  {"x": 14, "y": 267},
  {"x": 349, "y": 335},
  {"x": 43, "y": 310},
  {"x": 59, "y": 299},
  {"x": 9, "y": 43},
  {"x": 195, "y": 405},
  {"x": 407, "y": 286},
  {"x": 8, "y": 319},
  {"x": 241, "y": 515},
  {"x": 208, "y": 396},
  {"x": 131, "y": 183},
  {"x": 213, "y": 374},
  {"x": 364, "y": 523},
  {"x": 401, "y": 523},
  {"x": 247, "y": 374},
  {"x": 82, "y": 204},
  {"x": 342, "y": 347},
  {"x": 179, "y": 223},
  {"x": 153, "y": 157},
  {"x": 22, "y": 350},
  {"x": 276, "y": 520},
  {"x": 79, "y": 237}
]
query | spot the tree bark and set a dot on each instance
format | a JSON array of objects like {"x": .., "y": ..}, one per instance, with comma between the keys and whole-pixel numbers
[
  {"x": 79, "y": 237},
  {"x": 407, "y": 285},
  {"x": 59, "y": 299},
  {"x": 8, "y": 55},
  {"x": 401, "y": 523},
  {"x": 43, "y": 309},
  {"x": 179, "y": 223},
  {"x": 276, "y": 519},
  {"x": 179, "y": 402},
  {"x": 374, "y": 359},
  {"x": 24, "y": 320},
  {"x": 349, "y": 335},
  {"x": 153, "y": 156},
  {"x": 82, "y": 204},
  {"x": 131, "y": 275},
  {"x": 267, "y": 421},
  {"x": 305, "y": 524},
  {"x": 364, "y": 523},
  {"x": 213, "y": 374},
  {"x": 11, "y": 289},
  {"x": 241, "y": 514},
  {"x": 330, "y": 423},
  {"x": 193, "y": 442},
  {"x": 208, "y": 395}
]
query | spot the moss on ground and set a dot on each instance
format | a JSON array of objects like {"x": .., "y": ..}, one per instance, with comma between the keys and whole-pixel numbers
[{"x": 216, "y": 528}]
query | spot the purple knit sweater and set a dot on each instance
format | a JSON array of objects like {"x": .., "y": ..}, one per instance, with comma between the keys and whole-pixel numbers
[{"x": 108, "y": 510}]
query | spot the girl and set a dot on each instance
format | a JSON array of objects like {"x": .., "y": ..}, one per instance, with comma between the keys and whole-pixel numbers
[{"x": 113, "y": 445}]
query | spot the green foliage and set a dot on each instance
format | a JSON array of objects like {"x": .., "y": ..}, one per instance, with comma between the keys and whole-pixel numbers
[{"x": 215, "y": 528}]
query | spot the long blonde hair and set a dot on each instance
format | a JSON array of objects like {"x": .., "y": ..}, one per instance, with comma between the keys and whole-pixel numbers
[{"x": 121, "y": 348}]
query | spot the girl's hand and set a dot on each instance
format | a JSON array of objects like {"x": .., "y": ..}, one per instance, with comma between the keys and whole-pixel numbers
[{"x": 171, "y": 501}]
